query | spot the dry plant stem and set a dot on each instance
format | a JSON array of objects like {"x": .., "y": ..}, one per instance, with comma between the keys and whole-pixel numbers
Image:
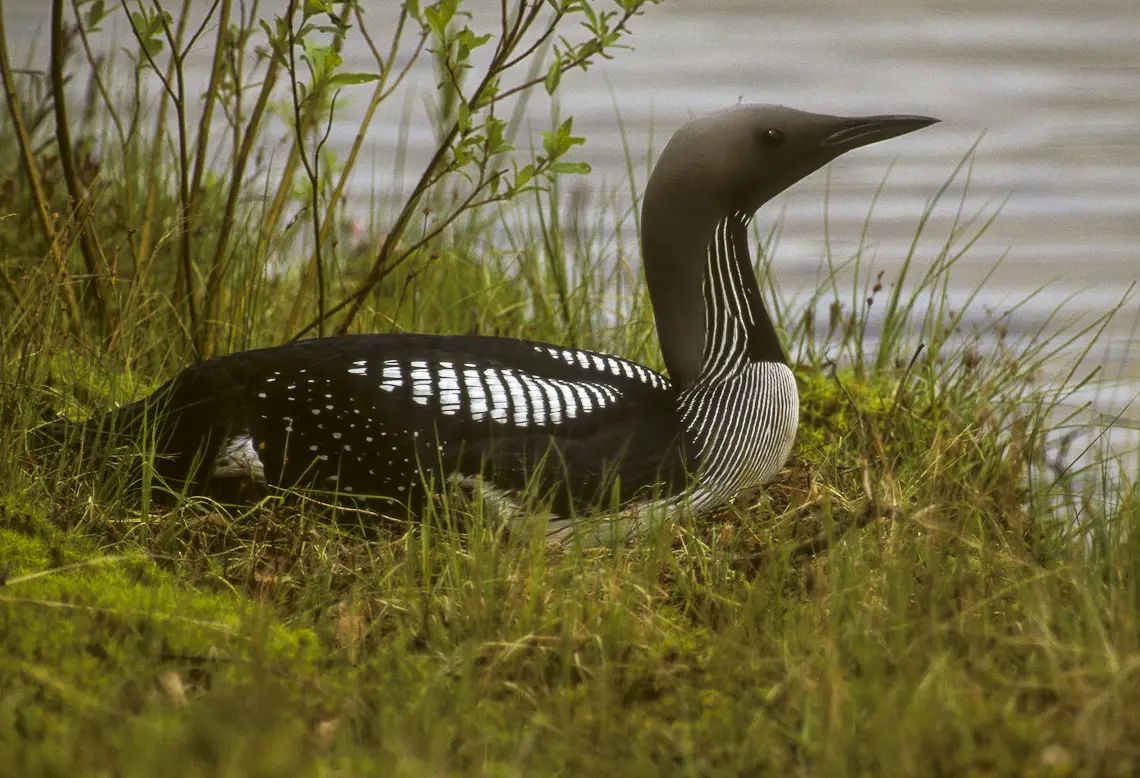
[
  {"x": 109, "y": 107},
  {"x": 43, "y": 211},
  {"x": 146, "y": 242},
  {"x": 184, "y": 292},
  {"x": 500, "y": 63},
  {"x": 312, "y": 170},
  {"x": 209, "y": 304},
  {"x": 379, "y": 95},
  {"x": 902, "y": 384},
  {"x": 75, "y": 188},
  {"x": 237, "y": 176},
  {"x": 108, "y": 104},
  {"x": 210, "y": 99},
  {"x": 146, "y": 227},
  {"x": 271, "y": 216},
  {"x": 430, "y": 174}
]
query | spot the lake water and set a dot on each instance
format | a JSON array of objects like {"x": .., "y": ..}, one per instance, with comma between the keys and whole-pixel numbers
[{"x": 1051, "y": 88}]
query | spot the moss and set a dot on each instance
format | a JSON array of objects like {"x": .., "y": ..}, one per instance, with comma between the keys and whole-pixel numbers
[{"x": 94, "y": 646}]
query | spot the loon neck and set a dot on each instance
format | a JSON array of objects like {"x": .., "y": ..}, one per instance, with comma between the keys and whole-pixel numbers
[{"x": 710, "y": 316}]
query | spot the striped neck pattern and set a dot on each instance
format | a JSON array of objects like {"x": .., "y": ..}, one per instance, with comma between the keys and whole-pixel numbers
[
  {"x": 738, "y": 330},
  {"x": 742, "y": 410}
]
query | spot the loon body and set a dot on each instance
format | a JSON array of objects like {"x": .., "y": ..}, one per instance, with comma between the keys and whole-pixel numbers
[{"x": 389, "y": 419}]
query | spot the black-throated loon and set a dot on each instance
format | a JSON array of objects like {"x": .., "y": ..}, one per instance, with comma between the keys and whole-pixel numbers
[{"x": 391, "y": 418}]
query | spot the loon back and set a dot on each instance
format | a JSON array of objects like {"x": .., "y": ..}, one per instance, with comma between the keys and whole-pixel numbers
[{"x": 389, "y": 419}]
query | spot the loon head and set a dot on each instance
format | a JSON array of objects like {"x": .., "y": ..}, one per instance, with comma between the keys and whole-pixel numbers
[
  {"x": 725, "y": 166},
  {"x": 737, "y": 159}
]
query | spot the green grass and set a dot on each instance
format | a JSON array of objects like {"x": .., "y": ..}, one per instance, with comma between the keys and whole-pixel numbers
[
  {"x": 972, "y": 623},
  {"x": 921, "y": 592}
]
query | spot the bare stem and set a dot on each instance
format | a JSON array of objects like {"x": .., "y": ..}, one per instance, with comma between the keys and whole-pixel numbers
[
  {"x": 218, "y": 264},
  {"x": 75, "y": 188}
]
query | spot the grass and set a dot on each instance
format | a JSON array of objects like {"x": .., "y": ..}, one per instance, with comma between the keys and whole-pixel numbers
[{"x": 923, "y": 591}]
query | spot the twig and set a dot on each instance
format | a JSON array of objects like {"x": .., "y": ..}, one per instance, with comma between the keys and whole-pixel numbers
[
  {"x": 902, "y": 385},
  {"x": 219, "y": 262},
  {"x": 211, "y": 96},
  {"x": 108, "y": 104},
  {"x": 500, "y": 63},
  {"x": 28, "y": 159},
  {"x": 187, "y": 260},
  {"x": 75, "y": 188},
  {"x": 379, "y": 94},
  {"x": 311, "y": 170},
  {"x": 377, "y": 272}
]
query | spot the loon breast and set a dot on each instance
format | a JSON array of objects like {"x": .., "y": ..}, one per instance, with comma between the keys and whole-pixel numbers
[{"x": 743, "y": 427}]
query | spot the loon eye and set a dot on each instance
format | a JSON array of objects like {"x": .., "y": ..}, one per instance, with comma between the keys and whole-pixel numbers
[{"x": 771, "y": 137}]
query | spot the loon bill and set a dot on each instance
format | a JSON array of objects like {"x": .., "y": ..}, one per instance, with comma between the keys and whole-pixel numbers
[{"x": 388, "y": 420}]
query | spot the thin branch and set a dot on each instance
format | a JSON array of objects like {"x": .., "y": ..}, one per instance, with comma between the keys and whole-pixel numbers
[
  {"x": 311, "y": 170},
  {"x": 379, "y": 94},
  {"x": 210, "y": 98},
  {"x": 407, "y": 67},
  {"x": 187, "y": 260},
  {"x": 568, "y": 65},
  {"x": 504, "y": 50},
  {"x": 558, "y": 16},
  {"x": 75, "y": 187},
  {"x": 469, "y": 203},
  {"x": 108, "y": 104},
  {"x": 27, "y": 158},
  {"x": 201, "y": 28},
  {"x": 219, "y": 263},
  {"x": 375, "y": 273},
  {"x": 146, "y": 52}
]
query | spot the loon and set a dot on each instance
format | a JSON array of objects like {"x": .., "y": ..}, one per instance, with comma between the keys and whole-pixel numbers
[{"x": 388, "y": 419}]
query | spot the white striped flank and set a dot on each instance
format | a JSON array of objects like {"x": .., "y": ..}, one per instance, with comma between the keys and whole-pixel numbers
[{"x": 513, "y": 396}]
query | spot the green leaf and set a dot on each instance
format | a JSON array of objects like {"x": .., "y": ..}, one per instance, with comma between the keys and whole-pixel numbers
[
  {"x": 447, "y": 9},
  {"x": 484, "y": 98},
  {"x": 464, "y": 117},
  {"x": 95, "y": 14},
  {"x": 314, "y": 7},
  {"x": 524, "y": 175},
  {"x": 495, "y": 129},
  {"x": 462, "y": 155},
  {"x": 553, "y": 76},
  {"x": 573, "y": 168},
  {"x": 435, "y": 22},
  {"x": 349, "y": 79}
]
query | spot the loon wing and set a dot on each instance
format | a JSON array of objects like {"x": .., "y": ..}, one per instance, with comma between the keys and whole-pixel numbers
[{"x": 383, "y": 415}]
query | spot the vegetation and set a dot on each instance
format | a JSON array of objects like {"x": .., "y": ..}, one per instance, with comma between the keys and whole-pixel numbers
[{"x": 926, "y": 590}]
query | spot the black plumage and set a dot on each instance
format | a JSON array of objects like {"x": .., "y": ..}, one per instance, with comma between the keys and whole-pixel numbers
[{"x": 384, "y": 416}]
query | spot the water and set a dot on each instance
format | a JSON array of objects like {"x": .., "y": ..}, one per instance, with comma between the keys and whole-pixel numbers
[{"x": 1051, "y": 88}]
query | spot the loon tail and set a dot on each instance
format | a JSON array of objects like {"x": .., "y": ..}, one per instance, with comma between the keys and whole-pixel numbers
[{"x": 118, "y": 426}]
